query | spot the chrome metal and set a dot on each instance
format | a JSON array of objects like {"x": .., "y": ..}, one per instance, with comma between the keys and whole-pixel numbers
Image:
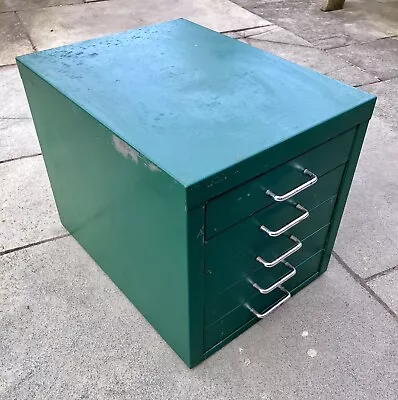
[
  {"x": 291, "y": 251},
  {"x": 289, "y": 225},
  {"x": 273, "y": 308},
  {"x": 296, "y": 190},
  {"x": 278, "y": 283}
]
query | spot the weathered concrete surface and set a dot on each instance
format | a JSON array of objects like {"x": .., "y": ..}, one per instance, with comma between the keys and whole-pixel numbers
[
  {"x": 15, "y": 5},
  {"x": 67, "y": 332},
  {"x": 28, "y": 213},
  {"x": 378, "y": 57},
  {"x": 57, "y": 26},
  {"x": 386, "y": 106},
  {"x": 271, "y": 33},
  {"x": 13, "y": 39},
  {"x": 386, "y": 286},
  {"x": 368, "y": 236},
  {"x": 353, "y": 76},
  {"x": 357, "y": 23},
  {"x": 17, "y": 139},
  {"x": 13, "y": 102},
  {"x": 310, "y": 57}
]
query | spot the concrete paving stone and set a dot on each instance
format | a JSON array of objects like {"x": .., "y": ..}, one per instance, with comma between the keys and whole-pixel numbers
[
  {"x": 353, "y": 76},
  {"x": 273, "y": 33},
  {"x": 386, "y": 287},
  {"x": 379, "y": 58},
  {"x": 310, "y": 57},
  {"x": 28, "y": 213},
  {"x": 67, "y": 332},
  {"x": 386, "y": 104},
  {"x": 352, "y": 25},
  {"x": 16, "y": 5},
  {"x": 13, "y": 40},
  {"x": 13, "y": 102},
  {"x": 57, "y": 26},
  {"x": 17, "y": 139},
  {"x": 368, "y": 237}
]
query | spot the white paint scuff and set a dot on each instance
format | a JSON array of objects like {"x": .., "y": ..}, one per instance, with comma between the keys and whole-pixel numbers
[
  {"x": 312, "y": 353},
  {"x": 124, "y": 149}
]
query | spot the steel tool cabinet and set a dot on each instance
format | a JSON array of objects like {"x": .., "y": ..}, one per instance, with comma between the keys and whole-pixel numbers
[{"x": 207, "y": 178}]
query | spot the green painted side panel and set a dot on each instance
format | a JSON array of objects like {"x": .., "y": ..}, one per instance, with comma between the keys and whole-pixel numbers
[
  {"x": 128, "y": 215},
  {"x": 206, "y": 100},
  {"x": 239, "y": 203},
  {"x": 343, "y": 193},
  {"x": 253, "y": 321}
]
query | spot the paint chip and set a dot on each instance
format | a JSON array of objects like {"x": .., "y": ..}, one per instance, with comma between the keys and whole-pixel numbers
[
  {"x": 124, "y": 149},
  {"x": 304, "y": 334},
  {"x": 312, "y": 353}
]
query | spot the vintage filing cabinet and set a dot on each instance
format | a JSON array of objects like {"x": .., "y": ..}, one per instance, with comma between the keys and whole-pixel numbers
[{"x": 207, "y": 178}]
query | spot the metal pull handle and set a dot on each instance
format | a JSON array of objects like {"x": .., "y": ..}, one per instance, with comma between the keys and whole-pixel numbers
[
  {"x": 296, "y": 190},
  {"x": 289, "y": 225},
  {"x": 278, "y": 283},
  {"x": 273, "y": 308},
  {"x": 283, "y": 256}
]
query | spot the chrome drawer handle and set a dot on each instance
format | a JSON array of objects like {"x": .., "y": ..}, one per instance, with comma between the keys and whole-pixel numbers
[
  {"x": 278, "y": 283},
  {"x": 283, "y": 256},
  {"x": 296, "y": 190},
  {"x": 289, "y": 225},
  {"x": 273, "y": 308}
]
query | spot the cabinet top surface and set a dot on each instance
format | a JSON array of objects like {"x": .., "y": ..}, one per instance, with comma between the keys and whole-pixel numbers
[{"x": 192, "y": 101}]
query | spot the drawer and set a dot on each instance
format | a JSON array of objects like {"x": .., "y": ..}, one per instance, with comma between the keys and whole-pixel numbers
[
  {"x": 220, "y": 324},
  {"x": 218, "y": 306},
  {"x": 243, "y": 201},
  {"x": 232, "y": 254}
]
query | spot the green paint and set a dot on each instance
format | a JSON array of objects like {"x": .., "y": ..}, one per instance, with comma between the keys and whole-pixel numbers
[{"x": 160, "y": 144}]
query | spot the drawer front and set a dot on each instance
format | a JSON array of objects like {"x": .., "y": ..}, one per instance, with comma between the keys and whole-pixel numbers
[
  {"x": 220, "y": 324},
  {"x": 229, "y": 257},
  {"x": 237, "y": 204},
  {"x": 218, "y": 306}
]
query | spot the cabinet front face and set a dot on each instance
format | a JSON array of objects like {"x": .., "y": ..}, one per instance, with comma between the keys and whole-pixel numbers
[{"x": 267, "y": 237}]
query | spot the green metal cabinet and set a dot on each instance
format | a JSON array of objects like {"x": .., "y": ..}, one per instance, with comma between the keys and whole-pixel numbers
[{"x": 207, "y": 178}]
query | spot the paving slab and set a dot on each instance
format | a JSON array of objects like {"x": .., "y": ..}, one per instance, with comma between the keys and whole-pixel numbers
[
  {"x": 310, "y": 57},
  {"x": 17, "y": 139},
  {"x": 273, "y": 33},
  {"x": 354, "y": 24},
  {"x": 386, "y": 105},
  {"x": 353, "y": 76},
  {"x": 13, "y": 41},
  {"x": 28, "y": 213},
  {"x": 368, "y": 237},
  {"x": 386, "y": 287},
  {"x": 57, "y": 26},
  {"x": 16, "y": 5},
  {"x": 359, "y": 21},
  {"x": 13, "y": 102},
  {"x": 67, "y": 332},
  {"x": 378, "y": 58}
]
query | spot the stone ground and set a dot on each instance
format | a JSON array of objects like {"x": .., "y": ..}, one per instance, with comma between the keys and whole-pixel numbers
[{"x": 67, "y": 333}]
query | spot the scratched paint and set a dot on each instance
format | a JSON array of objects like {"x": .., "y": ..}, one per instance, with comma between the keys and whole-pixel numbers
[{"x": 124, "y": 149}]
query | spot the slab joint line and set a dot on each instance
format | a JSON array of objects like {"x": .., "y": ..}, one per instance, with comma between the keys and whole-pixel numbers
[
  {"x": 362, "y": 282},
  {"x": 26, "y": 246}
]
